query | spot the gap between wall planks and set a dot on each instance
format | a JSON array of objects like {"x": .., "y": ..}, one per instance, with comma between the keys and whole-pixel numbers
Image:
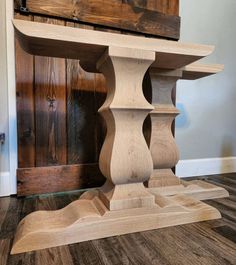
[
  {"x": 67, "y": 103},
  {"x": 146, "y": 17}
]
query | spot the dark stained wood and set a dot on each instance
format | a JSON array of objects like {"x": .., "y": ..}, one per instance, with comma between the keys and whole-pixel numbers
[
  {"x": 68, "y": 128},
  {"x": 50, "y": 107},
  {"x": 203, "y": 243},
  {"x": 25, "y": 105},
  {"x": 170, "y": 7},
  {"x": 81, "y": 112},
  {"x": 54, "y": 256},
  {"x": 227, "y": 232},
  {"x": 58, "y": 178},
  {"x": 116, "y": 14}
]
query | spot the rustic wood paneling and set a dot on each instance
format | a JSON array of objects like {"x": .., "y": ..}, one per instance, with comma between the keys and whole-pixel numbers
[
  {"x": 81, "y": 112},
  {"x": 57, "y": 103},
  {"x": 25, "y": 105},
  {"x": 128, "y": 15},
  {"x": 50, "y": 107},
  {"x": 170, "y": 7},
  {"x": 38, "y": 180}
]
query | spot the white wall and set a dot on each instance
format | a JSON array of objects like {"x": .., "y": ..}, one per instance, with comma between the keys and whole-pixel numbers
[
  {"x": 206, "y": 127},
  {"x": 8, "y": 151}
]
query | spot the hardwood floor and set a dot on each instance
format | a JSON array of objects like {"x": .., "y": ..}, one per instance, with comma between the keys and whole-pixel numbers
[{"x": 208, "y": 243}]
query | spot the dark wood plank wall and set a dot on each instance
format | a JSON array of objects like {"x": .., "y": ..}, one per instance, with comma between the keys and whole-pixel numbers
[
  {"x": 150, "y": 17},
  {"x": 58, "y": 123}
]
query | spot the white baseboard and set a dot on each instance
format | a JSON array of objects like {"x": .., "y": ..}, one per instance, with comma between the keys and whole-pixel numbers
[
  {"x": 207, "y": 166},
  {"x": 5, "y": 184}
]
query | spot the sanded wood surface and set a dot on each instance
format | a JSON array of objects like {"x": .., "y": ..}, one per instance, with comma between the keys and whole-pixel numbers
[
  {"x": 196, "y": 70},
  {"x": 205, "y": 243},
  {"x": 145, "y": 17},
  {"x": 163, "y": 148},
  {"x": 125, "y": 159},
  {"x": 88, "y": 219},
  {"x": 88, "y": 46}
]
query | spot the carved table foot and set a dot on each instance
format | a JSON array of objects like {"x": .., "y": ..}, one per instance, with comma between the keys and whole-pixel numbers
[{"x": 88, "y": 218}]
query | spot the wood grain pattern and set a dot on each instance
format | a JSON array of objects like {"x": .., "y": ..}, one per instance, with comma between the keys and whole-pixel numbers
[
  {"x": 88, "y": 218},
  {"x": 25, "y": 105},
  {"x": 170, "y": 7},
  {"x": 125, "y": 159},
  {"x": 50, "y": 107},
  {"x": 162, "y": 144},
  {"x": 88, "y": 46},
  {"x": 80, "y": 148},
  {"x": 196, "y": 70},
  {"x": 203, "y": 243},
  {"x": 81, "y": 112},
  {"x": 126, "y": 163},
  {"x": 4, "y": 250},
  {"x": 58, "y": 178},
  {"x": 127, "y": 15}
]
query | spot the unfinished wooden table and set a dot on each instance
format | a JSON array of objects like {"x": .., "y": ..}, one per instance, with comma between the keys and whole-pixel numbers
[{"x": 123, "y": 205}]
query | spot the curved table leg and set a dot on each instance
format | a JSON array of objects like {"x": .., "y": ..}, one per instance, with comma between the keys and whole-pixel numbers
[
  {"x": 123, "y": 205},
  {"x": 163, "y": 148}
]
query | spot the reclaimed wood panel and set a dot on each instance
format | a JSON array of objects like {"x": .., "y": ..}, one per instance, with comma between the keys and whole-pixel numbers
[
  {"x": 78, "y": 97},
  {"x": 39, "y": 180},
  {"x": 170, "y": 7},
  {"x": 25, "y": 104},
  {"x": 50, "y": 107},
  {"x": 127, "y": 15},
  {"x": 81, "y": 112}
]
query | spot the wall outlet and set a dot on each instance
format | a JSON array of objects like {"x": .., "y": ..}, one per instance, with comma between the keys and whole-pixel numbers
[{"x": 2, "y": 138}]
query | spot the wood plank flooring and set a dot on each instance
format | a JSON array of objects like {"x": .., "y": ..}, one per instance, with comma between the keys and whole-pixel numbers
[{"x": 205, "y": 243}]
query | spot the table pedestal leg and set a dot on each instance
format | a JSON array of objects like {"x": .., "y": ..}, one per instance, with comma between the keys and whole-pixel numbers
[
  {"x": 125, "y": 159},
  {"x": 123, "y": 205},
  {"x": 162, "y": 143},
  {"x": 163, "y": 148}
]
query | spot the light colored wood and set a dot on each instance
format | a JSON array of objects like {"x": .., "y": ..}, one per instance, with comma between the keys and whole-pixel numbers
[
  {"x": 197, "y": 189},
  {"x": 123, "y": 205},
  {"x": 88, "y": 218},
  {"x": 163, "y": 148},
  {"x": 125, "y": 159},
  {"x": 162, "y": 144},
  {"x": 89, "y": 45},
  {"x": 196, "y": 70}
]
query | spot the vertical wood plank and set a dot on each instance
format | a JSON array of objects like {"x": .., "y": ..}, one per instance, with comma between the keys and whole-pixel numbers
[
  {"x": 81, "y": 113},
  {"x": 25, "y": 105},
  {"x": 50, "y": 107},
  {"x": 170, "y": 7}
]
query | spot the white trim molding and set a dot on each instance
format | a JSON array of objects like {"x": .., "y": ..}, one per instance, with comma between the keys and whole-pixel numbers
[
  {"x": 11, "y": 84},
  {"x": 5, "y": 185},
  {"x": 206, "y": 166}
]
